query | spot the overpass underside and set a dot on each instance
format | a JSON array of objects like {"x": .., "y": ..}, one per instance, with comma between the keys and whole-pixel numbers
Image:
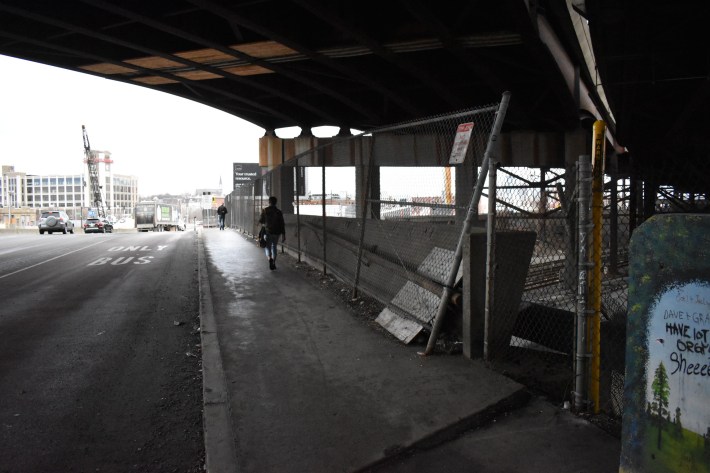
[{"x": 399, "y": 204}]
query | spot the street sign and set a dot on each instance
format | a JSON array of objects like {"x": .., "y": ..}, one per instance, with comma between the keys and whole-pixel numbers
[{"x": 463, "y": 136}]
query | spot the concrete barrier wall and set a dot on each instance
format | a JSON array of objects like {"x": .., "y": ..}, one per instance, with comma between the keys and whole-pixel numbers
[
  {"x": 392, "y": 250},
  {"x": 513, "y": 253}
]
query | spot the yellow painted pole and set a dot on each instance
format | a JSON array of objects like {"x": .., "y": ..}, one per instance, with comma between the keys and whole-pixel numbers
[{"x": 595, "y": 281}]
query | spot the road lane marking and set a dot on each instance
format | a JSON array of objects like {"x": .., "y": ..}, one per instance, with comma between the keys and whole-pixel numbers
[
  {"x": 51, "y": 259},
  {"x": 19, "y": 248},
  {"x": 136, "y": 248},
  {"x": 121, "y": 260}
]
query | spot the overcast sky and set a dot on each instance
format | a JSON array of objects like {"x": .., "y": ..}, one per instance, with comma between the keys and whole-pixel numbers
[{"x": 171, "y": 144}]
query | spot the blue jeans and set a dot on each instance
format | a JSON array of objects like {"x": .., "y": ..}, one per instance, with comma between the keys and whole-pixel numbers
[
  {"x": 221, "y": 222},
  {"x": 271, "y": 246}
]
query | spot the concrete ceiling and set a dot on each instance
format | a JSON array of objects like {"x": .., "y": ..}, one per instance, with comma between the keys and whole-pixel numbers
[
  {"x": 370, "y": 63},
  {"x": 306, "y": 62},
  {"x": 654, "y": 62}
]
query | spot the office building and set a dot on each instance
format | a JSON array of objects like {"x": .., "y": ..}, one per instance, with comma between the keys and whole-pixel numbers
[{"x": 68, "y": 192}]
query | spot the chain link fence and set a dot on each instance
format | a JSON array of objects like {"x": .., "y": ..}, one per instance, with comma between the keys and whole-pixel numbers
[
  {"x": 397, "y": 227},
  {"x": 542, "y": 350},
  {"x": 388, "y": 230},
  {"x": 352, "y": 210}
]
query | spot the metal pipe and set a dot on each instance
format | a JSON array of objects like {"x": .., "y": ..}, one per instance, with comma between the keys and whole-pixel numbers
[
  {"x": 489, "y": 305},
  {"x": 325, "y": 234},
  {"x": 365, "y": 202},
  {"x": 584, "y": 192},
  {"x": 417, "y": 204},
  {"x": 429, "y": 121},
  {"x": 614, "y": 226},
  {"x": 594, "y": 328},
  {"x": 473, "y": 205},
  {"x": 298, "y": 211}
]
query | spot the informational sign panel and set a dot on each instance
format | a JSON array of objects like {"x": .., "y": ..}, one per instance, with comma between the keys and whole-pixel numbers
[
  {"x": 666, "y": 423},
  {"x": 246, "y": 173},
  {"x": 463, "y": 137},
  {"x": 300, "y": 178}
]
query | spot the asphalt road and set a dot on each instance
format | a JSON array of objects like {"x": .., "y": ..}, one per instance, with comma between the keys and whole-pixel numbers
[{"x": 100, "y": 353}]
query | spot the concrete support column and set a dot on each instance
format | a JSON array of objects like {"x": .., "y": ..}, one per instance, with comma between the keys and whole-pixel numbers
[
  {"x": 361, "y": 178},
  {"x": 271, "y": 150},
  {"x": 285, "y": 186},
  {"x": 513, "y": 251}
]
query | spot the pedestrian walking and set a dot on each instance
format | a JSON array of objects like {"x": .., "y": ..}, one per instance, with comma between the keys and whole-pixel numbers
[
  {"x": 221, "y": 212},
  {"x": 273, "y": 222}
]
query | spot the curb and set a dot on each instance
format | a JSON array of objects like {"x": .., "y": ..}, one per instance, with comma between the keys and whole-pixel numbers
[
  {"x": 220, "y": 450},
  {"x": 515, "y": 401}
]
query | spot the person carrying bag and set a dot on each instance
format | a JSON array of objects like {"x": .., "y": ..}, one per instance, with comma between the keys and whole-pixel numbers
[{"x": 273, "y": 225}]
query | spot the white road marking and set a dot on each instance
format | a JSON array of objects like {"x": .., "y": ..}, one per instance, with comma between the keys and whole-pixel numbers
[
  {"x": 50, "y": 259},
  {"x": 19, "y": 248},
  {"x": 121, "y": 260}
]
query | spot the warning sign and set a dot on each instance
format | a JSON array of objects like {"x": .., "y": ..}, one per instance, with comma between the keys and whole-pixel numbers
[{"x": 463, "y": 136}]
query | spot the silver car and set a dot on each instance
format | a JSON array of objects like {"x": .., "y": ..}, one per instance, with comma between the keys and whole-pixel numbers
[{"x": 55, "y": 221}]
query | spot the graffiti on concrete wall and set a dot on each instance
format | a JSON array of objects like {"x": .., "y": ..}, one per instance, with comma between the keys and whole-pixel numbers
[{"x": 666, "y": 423}]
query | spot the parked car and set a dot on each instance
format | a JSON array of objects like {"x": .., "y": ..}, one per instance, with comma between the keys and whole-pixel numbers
[
  {"x": 97, "y": 225},
  {"x": 55, "y": 221}
]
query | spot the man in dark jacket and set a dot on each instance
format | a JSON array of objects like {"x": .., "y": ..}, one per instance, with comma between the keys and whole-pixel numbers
[
  {"x": 221, "y": 212},
  {"x": 273, "y": 221}
]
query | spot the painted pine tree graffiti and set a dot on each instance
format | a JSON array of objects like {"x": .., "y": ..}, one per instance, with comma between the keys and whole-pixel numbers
[{"x": 661, "y": 393}]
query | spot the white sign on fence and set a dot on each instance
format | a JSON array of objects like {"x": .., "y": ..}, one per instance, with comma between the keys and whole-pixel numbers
[{"x": 463, "y": 136}]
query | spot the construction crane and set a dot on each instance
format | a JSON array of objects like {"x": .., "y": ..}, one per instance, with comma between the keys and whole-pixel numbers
[{"x": 93, "y": 175}]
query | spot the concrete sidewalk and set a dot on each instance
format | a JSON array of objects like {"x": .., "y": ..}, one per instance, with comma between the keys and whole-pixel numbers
[{"x": 294, "y": 383}]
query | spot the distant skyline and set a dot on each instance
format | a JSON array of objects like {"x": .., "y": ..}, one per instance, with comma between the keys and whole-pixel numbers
[{"x": 171, "y": 144}]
